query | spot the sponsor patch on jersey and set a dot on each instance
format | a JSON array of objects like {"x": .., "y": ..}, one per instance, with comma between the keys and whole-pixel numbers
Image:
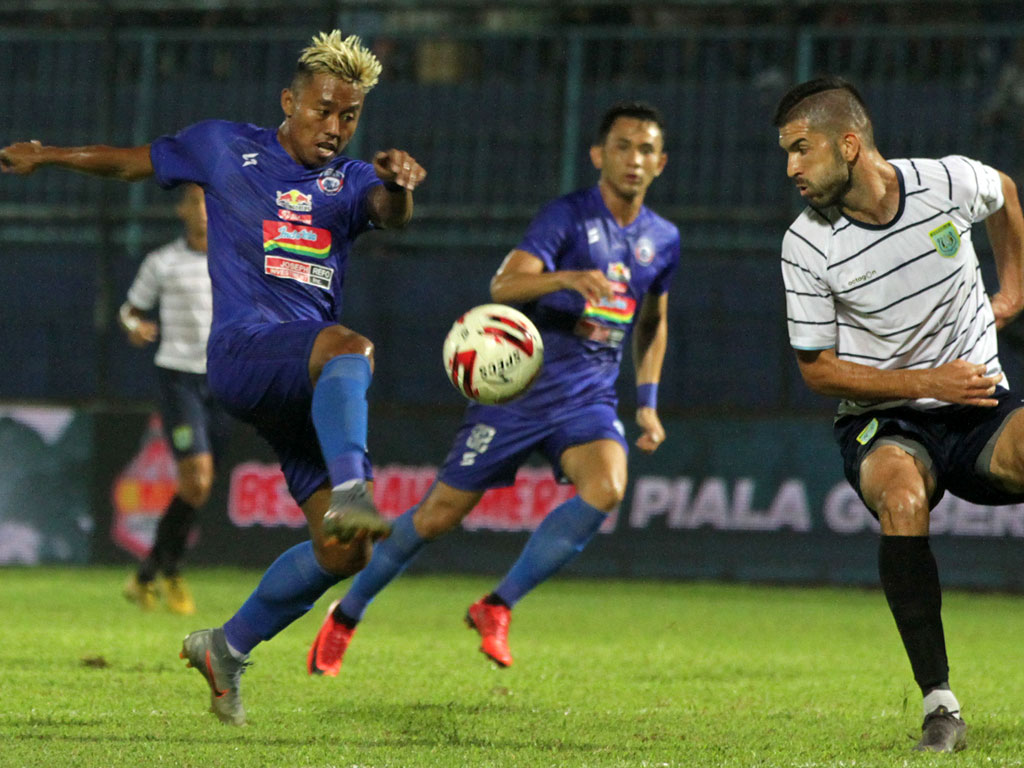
[
  {"x": 331, "y": 181},
  {"x": 302, "y": 271},
  {"x": 295, "y": 238},
  {"x": 618, "y": 271},
  {"x": 294, "y": 200},
  {"x": 946, "y": 239},
  {"x": 644, "y": 253},
  {"x": 619, "y": 310},
  {"x": 302, "y": 218},
  {"x": 868, "y": 432}
]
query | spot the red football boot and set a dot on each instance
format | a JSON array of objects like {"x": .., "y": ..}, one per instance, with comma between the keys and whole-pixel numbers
[
  {"x": 491, "y": 621},
  {"x": 328, "y": 649}
]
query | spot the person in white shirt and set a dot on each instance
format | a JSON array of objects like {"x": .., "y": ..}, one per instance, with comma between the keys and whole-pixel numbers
[
  {"x": 175, "y": 278},
  {"x": 886, "y": 310}
]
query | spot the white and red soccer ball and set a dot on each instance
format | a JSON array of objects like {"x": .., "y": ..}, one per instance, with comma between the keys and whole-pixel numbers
[{"x": 493, "y": 353}]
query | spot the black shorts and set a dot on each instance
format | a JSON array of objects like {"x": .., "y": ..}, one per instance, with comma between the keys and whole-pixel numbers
[
  {"x": 955, "y": 442},
  {"x": 194, "y": 421}
]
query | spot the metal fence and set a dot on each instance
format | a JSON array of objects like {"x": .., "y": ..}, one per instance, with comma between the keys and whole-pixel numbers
[{"x": 502, "y": 122}]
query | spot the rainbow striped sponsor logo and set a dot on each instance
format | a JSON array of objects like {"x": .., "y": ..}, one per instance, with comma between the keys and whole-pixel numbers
[
  {"x": 294, "y": 238},
  {"x": 620, "y": 308}
]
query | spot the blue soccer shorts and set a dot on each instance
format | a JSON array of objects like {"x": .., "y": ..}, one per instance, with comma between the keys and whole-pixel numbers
[
  {"x": 954, "y": 442},
  {"x": 494, "y": 442},
  {"x": 194, "y": 421},
  {"x": 260, "y": 373}
]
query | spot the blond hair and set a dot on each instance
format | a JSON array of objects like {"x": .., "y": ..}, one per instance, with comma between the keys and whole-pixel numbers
[{"x": 346, "y": 59}]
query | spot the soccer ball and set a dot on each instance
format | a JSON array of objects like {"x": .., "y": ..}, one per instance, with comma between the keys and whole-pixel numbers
[{"x": 493, "y": 353}]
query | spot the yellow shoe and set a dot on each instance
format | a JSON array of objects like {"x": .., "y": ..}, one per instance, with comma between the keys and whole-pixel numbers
[
  {"x": 142, "y": 593},
  {"x": 177, "y": 595}
]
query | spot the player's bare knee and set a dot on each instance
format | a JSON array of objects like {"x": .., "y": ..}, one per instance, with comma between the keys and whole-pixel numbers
[
  {"x": 195, "y": 490},
  {"x": 903, "y": 511},
  {"x": 605, "y": 496},
  {"x": 343, "y": 559}
]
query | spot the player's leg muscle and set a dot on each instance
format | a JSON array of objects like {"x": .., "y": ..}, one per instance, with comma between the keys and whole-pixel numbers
[
  {"x": 1007, "y": 464},
  {"x": 443, "y": 509},
  {"x": 195, "y": 478},
  {"x": 598, "y": 470},
  {"x": 337, "y": 558},
  {"x": 333, "y": 341},
  {"x": 897, "y": 486}
]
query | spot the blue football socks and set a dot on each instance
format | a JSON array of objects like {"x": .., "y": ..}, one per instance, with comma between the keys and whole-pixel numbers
[
  {"x": 558, "y": 539},
  {"x": 287, "y": 590},
  {"x": 390, "y": 557},
  {"x": 340, "y": 416}
]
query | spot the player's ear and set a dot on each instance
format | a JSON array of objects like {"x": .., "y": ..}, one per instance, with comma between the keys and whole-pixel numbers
[
  {"x": 661, "y": 164},
  {"x": 287, "y": 102},
  {"x": 849, "y": 146},
  {"x": 596, "y": 156}
]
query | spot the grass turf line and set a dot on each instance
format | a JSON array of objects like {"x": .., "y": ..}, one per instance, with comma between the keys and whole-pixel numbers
[{"x": 607, "y": 673}]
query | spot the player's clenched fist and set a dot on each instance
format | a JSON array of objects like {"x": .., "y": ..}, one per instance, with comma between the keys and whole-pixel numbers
[
  {"x": 591, "y": 283},
  {"x": 394, "y": 166},
  {"x": 21, "y": 158}
]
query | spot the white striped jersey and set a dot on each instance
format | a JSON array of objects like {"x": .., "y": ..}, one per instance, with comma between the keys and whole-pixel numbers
[
  {"x": 176, "y": 277},
  {"x": 904, "y": 295}
]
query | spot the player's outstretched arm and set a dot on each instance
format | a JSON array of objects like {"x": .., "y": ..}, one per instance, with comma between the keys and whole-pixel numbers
[
  {"x": 650, "y": 339},
  {"x": 390, "y": 205},
  {"x": 124, "y": 163},
  {"x": 957, "y": 381},
  {"x": 521, "y": 277},
  {"x": 1005, "y": 230}
]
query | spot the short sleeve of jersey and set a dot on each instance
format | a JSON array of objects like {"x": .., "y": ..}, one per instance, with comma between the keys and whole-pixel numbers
[
  {"x": 810, "y": 311},
  {"x": 188, "y": 155},
  {"x": 975, "y": 187},
  {"x": 145, "y": 289},
  {"x": 363, "y": 178},
  {"x": 549, "y": 232},
  {"x": 662, "y": 282}
]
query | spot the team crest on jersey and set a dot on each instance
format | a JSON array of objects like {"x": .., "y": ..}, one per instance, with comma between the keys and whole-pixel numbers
[
  {"x": 331, "y": 181},
  {"x": 644, "y": 253},
  {"x": 946, "y": 239},
  {"x": 294, "y": 200},
  {"x": 619, "y": 272}
]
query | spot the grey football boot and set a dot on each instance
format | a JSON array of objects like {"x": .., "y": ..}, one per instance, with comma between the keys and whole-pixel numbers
[
  {"x": 352, "y": 512},
  {"x": 207, "y": 651},
  {"x": 942, "y": 731}
]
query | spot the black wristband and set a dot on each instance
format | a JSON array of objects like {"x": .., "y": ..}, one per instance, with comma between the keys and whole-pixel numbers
[{"x": 391, "y": 186}]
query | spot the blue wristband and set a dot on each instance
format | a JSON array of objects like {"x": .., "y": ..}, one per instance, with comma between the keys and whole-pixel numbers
[{"x": 647, "y": 396}]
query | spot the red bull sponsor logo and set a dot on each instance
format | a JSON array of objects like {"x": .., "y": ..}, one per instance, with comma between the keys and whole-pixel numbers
[
  {"x": 618, "y": 272},
  {"x": 301, "y": 240},
  {"x": 301, "y": 218},
  {"x": 301, "y": 271},
  {"x": 294, "y": 200}
]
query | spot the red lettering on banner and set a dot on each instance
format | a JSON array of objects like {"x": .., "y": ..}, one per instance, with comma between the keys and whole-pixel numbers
[{"x": 259, "y": 496}]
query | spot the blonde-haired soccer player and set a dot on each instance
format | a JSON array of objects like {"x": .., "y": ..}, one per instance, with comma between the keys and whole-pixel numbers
[{"x": 284, "y": 206}]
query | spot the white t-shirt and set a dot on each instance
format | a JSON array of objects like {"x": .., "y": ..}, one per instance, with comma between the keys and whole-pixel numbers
[
  {"x": 905, "y": 295},
  {"x": 176, "y": 277}
]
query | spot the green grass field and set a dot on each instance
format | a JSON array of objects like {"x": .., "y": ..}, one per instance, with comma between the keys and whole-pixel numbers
[{"x": 606, "y": 674}]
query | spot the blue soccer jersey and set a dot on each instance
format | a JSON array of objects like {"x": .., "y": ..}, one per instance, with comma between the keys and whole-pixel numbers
[
  {"x": 583, "y": 342},
  {"x": 279, "y": 233}
]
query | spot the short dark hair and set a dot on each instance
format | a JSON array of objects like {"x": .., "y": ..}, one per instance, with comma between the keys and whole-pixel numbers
[
  {"x": 830, "y": 103},
  {"x": 638, "y": 110}
]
